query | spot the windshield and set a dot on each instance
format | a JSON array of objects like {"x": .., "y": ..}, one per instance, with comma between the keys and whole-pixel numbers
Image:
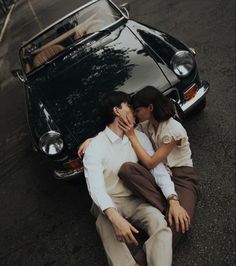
[{"x": 74, "y": 28}]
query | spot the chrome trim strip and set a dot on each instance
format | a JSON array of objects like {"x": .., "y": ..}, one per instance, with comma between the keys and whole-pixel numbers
[
  {"x": 118, "y": 7},
  {"x": 67, "y": 174},
  {"x": 203, "y": 89}
]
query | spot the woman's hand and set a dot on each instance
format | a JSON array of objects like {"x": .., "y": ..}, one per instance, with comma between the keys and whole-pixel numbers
[
  {"x": 83, "y": 147},
  {"x": 127, "y": 126},
  {"x": 178, "y": 215}
]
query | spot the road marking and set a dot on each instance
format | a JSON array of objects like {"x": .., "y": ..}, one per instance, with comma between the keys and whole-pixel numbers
[
  {"x": 6, "y": 22},
  {"x": 35, "y": 16}
]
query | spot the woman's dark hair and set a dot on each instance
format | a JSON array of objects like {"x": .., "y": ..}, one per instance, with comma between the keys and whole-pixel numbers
[
  {"x": 163, "y": 108},
  {"x": 108, "y": 102}
]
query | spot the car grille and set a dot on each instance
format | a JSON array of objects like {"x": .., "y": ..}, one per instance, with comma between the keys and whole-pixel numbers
[{"x": 173, "y": 94}]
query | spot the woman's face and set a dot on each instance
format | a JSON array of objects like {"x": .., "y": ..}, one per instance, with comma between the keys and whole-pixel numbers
[{"x": 143, "y": 113}]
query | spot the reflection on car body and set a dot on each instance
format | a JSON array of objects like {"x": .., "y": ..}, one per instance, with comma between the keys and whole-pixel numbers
[{"x": 94, "y": 50}]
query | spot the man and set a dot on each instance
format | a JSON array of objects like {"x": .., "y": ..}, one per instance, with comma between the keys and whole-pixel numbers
[{"x": 119, "y": 211}]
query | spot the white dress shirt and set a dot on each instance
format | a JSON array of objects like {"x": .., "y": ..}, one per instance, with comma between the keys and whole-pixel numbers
[{"x": 95, "y": 159}]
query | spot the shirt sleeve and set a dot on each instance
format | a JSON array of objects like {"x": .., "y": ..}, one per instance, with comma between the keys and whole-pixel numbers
[
  {"x": 93, "y": 171},
  {"x": 161, "y": 176},
  {"x": 174, "y": 130}
]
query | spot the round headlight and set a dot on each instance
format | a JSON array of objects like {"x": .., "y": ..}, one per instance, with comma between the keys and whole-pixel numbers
[
  {"x": 182, "y": 63},
  {"x": 51, "y": 143}
]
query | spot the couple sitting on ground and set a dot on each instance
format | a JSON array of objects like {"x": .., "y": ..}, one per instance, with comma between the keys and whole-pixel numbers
[{"x": 126, "y": 194}]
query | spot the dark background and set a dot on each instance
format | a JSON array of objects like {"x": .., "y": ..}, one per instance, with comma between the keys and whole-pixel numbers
[{"x": 47, "y": 222}]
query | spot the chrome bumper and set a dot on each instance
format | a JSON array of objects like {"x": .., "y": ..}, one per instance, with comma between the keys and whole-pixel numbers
[
  {"x": 201, "y": 93},
  {"x": 68, "y": 174}
]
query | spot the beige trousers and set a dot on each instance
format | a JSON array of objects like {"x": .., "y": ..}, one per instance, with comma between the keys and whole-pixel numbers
[{"x": 158, "y": 247}]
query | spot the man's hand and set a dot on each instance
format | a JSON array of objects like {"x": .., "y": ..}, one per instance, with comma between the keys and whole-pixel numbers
[
  {"x": 179, "y": 216},
  {"x": 123, "y": 229}
]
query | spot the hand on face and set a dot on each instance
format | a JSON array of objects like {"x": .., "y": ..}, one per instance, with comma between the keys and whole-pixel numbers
[
  {"x": 125, "y": 112},
  {"x": 126, "y": 119},
  {"x": 126, "y": 123}
]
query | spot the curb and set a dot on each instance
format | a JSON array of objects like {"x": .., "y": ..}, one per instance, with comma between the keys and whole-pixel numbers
[{"x": 6, "y": 22}]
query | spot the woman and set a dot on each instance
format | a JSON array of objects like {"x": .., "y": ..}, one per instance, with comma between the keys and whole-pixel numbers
[{"x": 155, "y": 114}]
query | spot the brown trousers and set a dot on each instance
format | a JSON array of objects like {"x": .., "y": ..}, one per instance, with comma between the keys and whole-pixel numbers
[{"x": 141, "y": 182}]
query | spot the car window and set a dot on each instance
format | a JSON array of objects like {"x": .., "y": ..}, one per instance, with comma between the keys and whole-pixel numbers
[{"x": 76, "y": 27}]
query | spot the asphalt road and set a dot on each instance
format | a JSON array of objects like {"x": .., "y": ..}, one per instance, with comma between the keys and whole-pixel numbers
[{"x": 46, "y": 222}]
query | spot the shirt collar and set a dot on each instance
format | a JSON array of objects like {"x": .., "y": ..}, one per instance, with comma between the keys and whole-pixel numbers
[{"x": 115, "y": 138}]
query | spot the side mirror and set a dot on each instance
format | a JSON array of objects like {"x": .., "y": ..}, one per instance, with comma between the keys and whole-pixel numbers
[
  {"x": 18, "y": 73},
  {"x": 125, "y": 8}
]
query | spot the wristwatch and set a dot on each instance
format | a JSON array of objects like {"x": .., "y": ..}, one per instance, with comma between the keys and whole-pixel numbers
[{"x": 173, "y": 197}]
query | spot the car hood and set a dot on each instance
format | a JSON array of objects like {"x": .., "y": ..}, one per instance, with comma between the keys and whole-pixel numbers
[{"x": 70, "y": 86}]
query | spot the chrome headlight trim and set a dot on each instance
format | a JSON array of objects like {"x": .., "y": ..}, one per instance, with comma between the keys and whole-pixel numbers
[
  {"x": 182, "y": 63},
  {"x": 51, "y": 143}
]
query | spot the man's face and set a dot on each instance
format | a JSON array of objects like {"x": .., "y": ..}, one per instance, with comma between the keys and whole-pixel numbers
[{"x": 126, "y": 111}]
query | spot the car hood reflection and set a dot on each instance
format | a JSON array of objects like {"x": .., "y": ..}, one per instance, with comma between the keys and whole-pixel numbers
[{"x": 73, "y": 84}]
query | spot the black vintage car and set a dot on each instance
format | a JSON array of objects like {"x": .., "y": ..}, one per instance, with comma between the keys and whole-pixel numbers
[{"x": 68, "y": 66}]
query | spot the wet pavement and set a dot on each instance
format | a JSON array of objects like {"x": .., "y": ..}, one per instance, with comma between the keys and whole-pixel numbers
[{"x": 47, "y": 222}]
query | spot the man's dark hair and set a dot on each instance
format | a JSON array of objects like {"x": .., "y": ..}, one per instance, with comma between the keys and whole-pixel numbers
[
  {"x": 163, "y": 108},
  {"x": 108, "y": 102}
]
